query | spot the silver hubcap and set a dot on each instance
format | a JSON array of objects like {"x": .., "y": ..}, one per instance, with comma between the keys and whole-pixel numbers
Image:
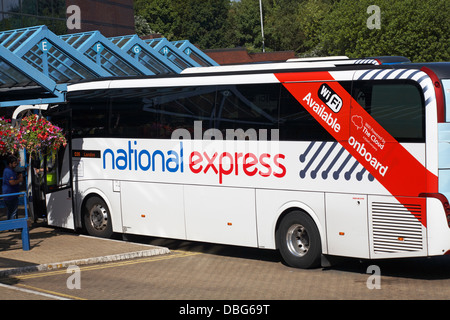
[
  {"x": 297, "y": 240},
  {"x": 98, "y": 217}
]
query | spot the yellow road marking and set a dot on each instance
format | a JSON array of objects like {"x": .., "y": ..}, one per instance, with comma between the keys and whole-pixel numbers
[
  {"x": 178, "y": 254},
  {"x": 49, "y": 292}
]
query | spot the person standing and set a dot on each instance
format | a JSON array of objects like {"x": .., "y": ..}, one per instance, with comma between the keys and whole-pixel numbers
[{"x": 11, "y": 184}]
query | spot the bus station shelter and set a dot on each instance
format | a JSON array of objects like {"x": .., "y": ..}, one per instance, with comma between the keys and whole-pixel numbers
[{"x": 36, "y": 66}]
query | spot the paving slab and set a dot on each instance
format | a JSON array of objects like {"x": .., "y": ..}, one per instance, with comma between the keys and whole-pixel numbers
[{"x": 54, "y": 248}]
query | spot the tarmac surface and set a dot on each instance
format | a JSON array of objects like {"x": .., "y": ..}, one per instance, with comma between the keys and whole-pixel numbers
[
  {"x": 127, "y": 270},
  {"x": 53, "y": 248}
]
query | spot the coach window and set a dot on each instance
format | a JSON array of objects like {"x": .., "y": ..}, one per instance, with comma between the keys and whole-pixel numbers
[
  {"x": 180, "y": 107},
  {"x": 89, "y": 114},
  {"x": 129, "y": 118},
  {"x": 397, "y": 106},
  {"x": 249, "y": 106}
]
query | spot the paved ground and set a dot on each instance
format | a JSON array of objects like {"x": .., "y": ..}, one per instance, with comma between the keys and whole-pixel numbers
[
  {"x": 52, "y": 248},
  {"x": 146, "y": 268}
]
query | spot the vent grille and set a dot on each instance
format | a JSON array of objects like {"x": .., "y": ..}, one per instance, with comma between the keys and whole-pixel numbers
[{"x": 396, "y": 227}]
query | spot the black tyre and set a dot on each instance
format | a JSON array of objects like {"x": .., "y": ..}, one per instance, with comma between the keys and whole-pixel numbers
[
  {"x": 298, "y": 241},
  {"x": 97, "y": 219}
]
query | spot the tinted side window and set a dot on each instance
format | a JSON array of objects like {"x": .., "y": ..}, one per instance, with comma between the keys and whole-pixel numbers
[
  {"x": 128, "y": 116},
  {"x": 397, "y": 106},
  {"x": 249, "y": 106},
  {"x": 156, "y": 112},
  {"x": 181, "y": 107},
  {"x": 90, "y": 118}
]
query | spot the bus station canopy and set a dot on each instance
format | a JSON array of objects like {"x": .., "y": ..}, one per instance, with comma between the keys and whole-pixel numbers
[
  {"x": 146, "y": 55},
  {"x": 194, "y": 53},
  {"x": 36, "y": 65}
]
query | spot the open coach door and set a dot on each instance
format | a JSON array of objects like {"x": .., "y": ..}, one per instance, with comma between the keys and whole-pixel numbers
[{"x": 57, "y": 167}]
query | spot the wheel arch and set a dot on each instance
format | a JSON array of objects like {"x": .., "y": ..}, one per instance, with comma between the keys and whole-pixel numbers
[
  {"x": 90, "y": 193},
  {"x": 299, "y": 206}
]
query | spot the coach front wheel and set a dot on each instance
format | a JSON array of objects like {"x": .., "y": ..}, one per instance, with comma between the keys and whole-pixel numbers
[
  {"x": 298, "y": 240},
  {"x": 97, "y": 219}
]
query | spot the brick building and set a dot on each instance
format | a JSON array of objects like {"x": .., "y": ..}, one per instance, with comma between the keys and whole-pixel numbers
[{"x": 111, "y": 18}]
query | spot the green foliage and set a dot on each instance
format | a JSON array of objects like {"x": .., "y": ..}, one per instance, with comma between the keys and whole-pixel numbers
[
  {"x": 282, "y": 25},
  {"x": 200, "y": 21},
  {"x": 159, "y": 14},
  {"x": 246, "y": 29},
  {"x": 142, "y": 27},
  {"x": 311, "y": 15},
  {"x": 417, "y": 29}
]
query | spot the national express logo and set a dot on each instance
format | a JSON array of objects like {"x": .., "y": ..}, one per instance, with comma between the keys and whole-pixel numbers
[{"x": 227, "y": 163}]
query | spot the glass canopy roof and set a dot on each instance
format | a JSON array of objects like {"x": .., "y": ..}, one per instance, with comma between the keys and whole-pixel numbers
[{"x": 36, "y": 65}]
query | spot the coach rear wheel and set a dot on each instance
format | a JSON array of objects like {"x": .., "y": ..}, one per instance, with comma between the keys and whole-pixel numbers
[
  {"x": 97, "y": 219},
  {"x": 298, "y": 240}
]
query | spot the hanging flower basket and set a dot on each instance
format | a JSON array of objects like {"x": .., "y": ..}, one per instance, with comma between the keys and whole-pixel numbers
[
  {"x": 34, "y": 134},
  {"x": 10, "y": 138},
  {"x": 38, "y": 135}
]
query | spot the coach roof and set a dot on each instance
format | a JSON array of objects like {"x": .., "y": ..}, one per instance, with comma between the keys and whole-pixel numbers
[{"x": 441, "y": 69}]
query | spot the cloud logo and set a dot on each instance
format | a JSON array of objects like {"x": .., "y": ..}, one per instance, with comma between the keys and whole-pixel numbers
[{"x": 357, "y": 121}]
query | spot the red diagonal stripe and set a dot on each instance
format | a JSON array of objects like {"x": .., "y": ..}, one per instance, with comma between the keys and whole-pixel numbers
[{"x": 389, "y": 162}]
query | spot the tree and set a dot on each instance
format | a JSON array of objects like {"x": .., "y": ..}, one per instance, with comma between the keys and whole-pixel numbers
[
  {"x": 159, "y": 14},
  {"x": 416, "y": 29},
  {"x": 142, "y": 27},
  {"x": 282, "y": 27},
  {"x": 311, "y": 15},
  {"x": 246, "y": 30},
  {"x": 200, "y": 21}
]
